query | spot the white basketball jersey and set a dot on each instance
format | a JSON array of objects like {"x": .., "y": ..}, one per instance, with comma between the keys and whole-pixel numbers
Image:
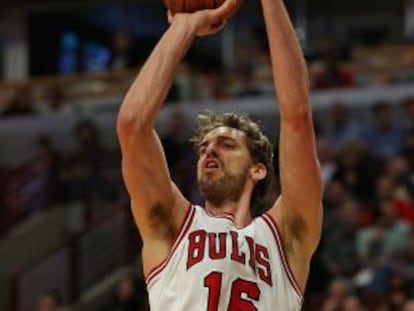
[{"x": 214, "y": 266}]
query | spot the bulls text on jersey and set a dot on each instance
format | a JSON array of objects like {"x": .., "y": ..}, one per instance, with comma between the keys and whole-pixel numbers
[{"x": 221, "y": 245}]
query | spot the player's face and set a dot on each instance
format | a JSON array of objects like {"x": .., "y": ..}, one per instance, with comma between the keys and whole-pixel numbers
[{"x": 223, "y": 165}]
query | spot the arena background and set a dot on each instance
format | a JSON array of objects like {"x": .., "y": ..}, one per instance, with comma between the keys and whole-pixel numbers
[{"x": 67, "y": 240}]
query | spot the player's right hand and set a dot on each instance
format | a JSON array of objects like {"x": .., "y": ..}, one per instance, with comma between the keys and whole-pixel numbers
[{"x": 207, "y": 22}]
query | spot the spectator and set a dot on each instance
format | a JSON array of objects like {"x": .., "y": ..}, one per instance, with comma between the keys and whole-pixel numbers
[
  {"x": 185, "y": 177},
  {"x": 55, "y": 104},
  {"x": 263, "y": 73},
  {"x": 34, "y": 185},
  {"x": 395, "y": 186},
  {"x": 122, "y": 55},
  {"x": 326, "y": 160},
  {"x": 396, "y": 292},
  {"x": 245, "y": 82},
  {"x": 387, "y": 234},
  {"x": 354, "y": 171},
  {"x": 352, "y": 303},
  {"x": 22, "y": 104},
  {"x": 84, "y": 173},
  {"x": 408, "y": 154},
  {"x": 175, "y": 142},
  {"x": 330, "y": 74},
  {"x": 384, "y": 136},
  {"x": 184, "y": 83},
  {"x": 342, "y": 129},
  {"x": 180, "y": 156},
  {"x": 401, "y": 262},
  {"x": 340, "y": 254},
  {"x": 128, "y": 297},
  {"x": 339, "y": 289},
  {"x": 335, "y": 195},
  {"x": 43, "y": 169},
  {"x": 49, "y": 301},
  {"x": 209, "y": 86},
  {"x": 3, "y": 211},
  {"x": 384, "y": 191},
  {"x": 407, "y": 107}
]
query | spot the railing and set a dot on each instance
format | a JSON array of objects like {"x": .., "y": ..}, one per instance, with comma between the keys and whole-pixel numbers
[
  {"x": 81, "y": 87},
  {"x": 77, "y": 87},
  {"x": 79, "y": 264},
  {"x": 53, "y": 272}
]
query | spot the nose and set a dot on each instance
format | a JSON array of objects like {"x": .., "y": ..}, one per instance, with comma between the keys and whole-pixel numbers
[{"x": 211, "y": 150}]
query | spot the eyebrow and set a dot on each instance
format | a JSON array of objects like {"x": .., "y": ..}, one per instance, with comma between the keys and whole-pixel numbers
[{"x": 220, "y": 137}]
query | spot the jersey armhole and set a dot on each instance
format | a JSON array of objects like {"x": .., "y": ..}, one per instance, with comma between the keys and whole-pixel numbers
[
  {"x": 185, "y": 226},
  {"x": 274, "y": 228}
]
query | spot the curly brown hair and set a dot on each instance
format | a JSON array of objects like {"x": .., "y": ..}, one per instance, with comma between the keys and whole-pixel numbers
[{"x": 261, "y": 150}]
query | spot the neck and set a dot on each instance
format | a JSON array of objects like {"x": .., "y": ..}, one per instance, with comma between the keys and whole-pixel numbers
[{"x": 239, "y": 209}]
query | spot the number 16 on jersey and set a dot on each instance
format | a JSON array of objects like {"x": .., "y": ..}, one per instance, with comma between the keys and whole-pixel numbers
[{"x": 240, "y": 290}]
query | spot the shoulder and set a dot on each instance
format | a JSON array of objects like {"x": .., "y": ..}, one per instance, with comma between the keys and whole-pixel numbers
[{"x": 269, "y": 222}]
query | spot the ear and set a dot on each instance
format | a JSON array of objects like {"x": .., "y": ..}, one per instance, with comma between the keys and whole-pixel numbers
[{"x": 258, "y": 171}]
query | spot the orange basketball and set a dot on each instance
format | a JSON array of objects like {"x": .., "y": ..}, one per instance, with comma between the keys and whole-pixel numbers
[{"x": 190, "y": 6}]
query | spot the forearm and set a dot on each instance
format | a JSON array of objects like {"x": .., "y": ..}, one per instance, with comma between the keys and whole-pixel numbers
[
  {"x": 288, "y": 65},
  {"x": 299, "y": 170},
  {"x": 149, "y": 90}
]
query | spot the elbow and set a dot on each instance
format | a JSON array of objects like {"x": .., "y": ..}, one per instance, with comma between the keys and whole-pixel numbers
[
  {"x": 124, "y": 121},
  {"x": 298, "y": 118},
  {"x": 296, "y": 110},
  {"x": 124, "y": 124},
  {"x": 129, "y": 121}
]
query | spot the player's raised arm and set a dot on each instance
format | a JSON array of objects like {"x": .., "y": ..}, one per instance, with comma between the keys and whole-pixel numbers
[
  {"x": 158, "y": 206},
  {"x": 299, "y": 210}
]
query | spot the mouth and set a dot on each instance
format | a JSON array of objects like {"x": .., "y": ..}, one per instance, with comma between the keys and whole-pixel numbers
[{"x": 211, "y": 165}]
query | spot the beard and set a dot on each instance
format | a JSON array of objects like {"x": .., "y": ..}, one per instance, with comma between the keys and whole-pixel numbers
[{"x": 227, "y": 187}]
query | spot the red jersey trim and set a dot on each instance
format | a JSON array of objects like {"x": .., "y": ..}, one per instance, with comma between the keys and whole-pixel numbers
[
  {"x": 226, "y": 216},
  {"x": 185, "y": 226},
  {"x": 274, "y": 228}
]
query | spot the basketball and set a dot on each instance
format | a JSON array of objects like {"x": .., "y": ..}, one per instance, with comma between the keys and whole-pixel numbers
[{"x": 190, "y": 6}]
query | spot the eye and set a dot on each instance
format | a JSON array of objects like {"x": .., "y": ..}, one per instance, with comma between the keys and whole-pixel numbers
[
  {"x": 228, "y": 145},
  {"x": 202, "y": 150}
]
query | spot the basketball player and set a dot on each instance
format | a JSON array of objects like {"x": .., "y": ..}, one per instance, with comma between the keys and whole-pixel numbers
[{"x": 218, "y": 258}]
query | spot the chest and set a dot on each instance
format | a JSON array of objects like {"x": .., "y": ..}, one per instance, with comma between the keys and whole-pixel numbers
[{"x": 230, "y": 250}]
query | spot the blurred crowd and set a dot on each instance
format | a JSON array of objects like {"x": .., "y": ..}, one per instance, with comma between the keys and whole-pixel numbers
[
  {"x": 129, "y": 294},
  {"x": 89, "y": 173},
  {"x": 366, "y": 257}
]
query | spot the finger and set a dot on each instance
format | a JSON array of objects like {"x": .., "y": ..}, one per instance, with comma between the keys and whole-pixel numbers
[
  {"x": 227, "y": 9},
  {"x": 219, "y": 27},
  {"x": 170, "y": 16}
]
